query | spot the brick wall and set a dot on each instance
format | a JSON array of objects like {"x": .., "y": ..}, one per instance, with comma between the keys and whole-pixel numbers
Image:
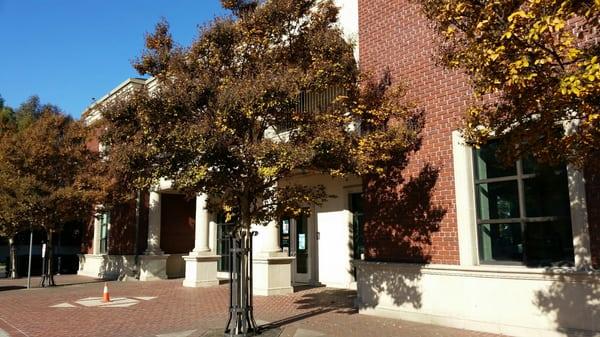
[
  {"x": 87, "y": 237},
  {"x": 177, "y": 223},
  {"x": 393, "y": 34},
  {"x": 121, "y": 238}
]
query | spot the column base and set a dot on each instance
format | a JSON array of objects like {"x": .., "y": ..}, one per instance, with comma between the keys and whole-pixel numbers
[
  {"x": 200, "y": 270},
  {"x": 153, "y": 267},
  {"x": 272, "y": 274}
]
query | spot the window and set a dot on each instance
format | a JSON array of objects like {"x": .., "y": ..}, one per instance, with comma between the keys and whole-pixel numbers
[
  {"x": 357, "y": 210},
  {"x": 523, "y": 212},
  {"x": 104, "y": 221},
  {"x": 309, "y": 102},
  {"x": 223, "y": 232}
]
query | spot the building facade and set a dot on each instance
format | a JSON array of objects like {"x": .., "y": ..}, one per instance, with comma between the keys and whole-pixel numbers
[
  {"x": 166, "y": 235},
  {"x": 453, "y": 238},
  {"x": 471, "y": 243}
]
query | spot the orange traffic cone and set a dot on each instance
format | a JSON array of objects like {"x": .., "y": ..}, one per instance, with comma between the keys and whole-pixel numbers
[{"x": 105, "y": 295}]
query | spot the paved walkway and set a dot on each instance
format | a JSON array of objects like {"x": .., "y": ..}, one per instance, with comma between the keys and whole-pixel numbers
[{"x": 166, "y": 309}]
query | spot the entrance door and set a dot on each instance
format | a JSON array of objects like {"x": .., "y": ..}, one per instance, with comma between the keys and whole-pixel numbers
[{"x": 297, "y": 236}]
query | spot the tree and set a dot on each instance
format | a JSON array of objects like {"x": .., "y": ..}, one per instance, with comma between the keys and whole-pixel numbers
[
  {"x": 534, "y": 67},
  {"x": 11, "y": 219},
  {"x": 27, "y": 113},
  {"x": 47, "y": 173},
  {"x": 31, "y": 110},
  {"x": 213, "y": 123},
  {"x": 7, "y": 116},
  {"x": 10, "y": 222}
]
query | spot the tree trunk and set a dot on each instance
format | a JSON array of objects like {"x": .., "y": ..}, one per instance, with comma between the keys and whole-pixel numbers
[{"x": 13, "y": 258}]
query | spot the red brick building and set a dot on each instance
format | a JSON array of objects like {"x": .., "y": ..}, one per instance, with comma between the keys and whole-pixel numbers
[
  {"x": 452, "y": 238},
  {"x": 457, "y": 239}
]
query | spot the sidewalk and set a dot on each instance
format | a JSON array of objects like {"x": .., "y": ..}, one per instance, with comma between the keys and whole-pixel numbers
[{"x": 166, "y": 309}]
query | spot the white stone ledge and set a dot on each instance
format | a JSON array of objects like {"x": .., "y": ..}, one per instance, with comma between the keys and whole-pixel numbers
[
  {"x": 273, "y": 260},
  {"x": 508, "y": 300},
  {"x": 201, "y": 258},
  {"x": 488, "y": 271},
  {"x": 466, "y": 324},
  {"x": 105, "y": 265}
]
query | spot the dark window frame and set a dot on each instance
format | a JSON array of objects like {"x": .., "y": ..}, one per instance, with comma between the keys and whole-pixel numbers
[
  {"x": 357, "y": 211},
  {"x": 520, "y": 177},
  {"x": 103, "y": 242},
  {"x": 223, "y": 243}
]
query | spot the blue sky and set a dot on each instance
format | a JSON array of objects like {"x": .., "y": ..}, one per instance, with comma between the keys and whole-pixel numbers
[{"x": 70, "y": 51}]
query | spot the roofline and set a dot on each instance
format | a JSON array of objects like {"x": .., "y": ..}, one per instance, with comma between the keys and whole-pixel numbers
[{"x": 134, "y": 80}]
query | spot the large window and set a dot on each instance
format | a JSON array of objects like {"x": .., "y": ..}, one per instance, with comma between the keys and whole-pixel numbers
[
  {"x": 523, "y": 212},
  {"x": 104, "y": 221}
]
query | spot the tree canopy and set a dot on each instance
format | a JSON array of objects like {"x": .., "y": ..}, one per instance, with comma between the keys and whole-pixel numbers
[
  {"x": 6, "y": 115},
  {"x": 45, "y": 168},
  {"x": 231, "y": 116},
  {"x": 534, "y": 66},
  {"x": 27, "y": 113}
]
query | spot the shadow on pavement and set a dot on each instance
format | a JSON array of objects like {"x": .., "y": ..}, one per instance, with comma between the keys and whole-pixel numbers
[
  {"x": 61, "y": 281},
  {"x": 338, "y": 300},
  {"x": 295, "y": 318},
  {"x": 6, "y": 288},
  {"x": 317, "y": 301},
  {"x": 79, "y": 283}
]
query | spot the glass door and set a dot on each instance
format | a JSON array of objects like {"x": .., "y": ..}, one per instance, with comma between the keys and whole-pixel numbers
[
  {"x": 301, "y": 236},
  {"x": 295, "y": 238}
]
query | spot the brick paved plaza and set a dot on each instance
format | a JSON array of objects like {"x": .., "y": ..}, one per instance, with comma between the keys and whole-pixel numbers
[{"x": 166, "y": 309}]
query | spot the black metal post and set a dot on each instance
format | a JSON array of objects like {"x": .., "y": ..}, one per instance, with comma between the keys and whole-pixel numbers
[
  {"x": 30, "y": 252},
  {"x": 43, "y": 278},
  {"x": 58, "y": 254},
  {"x": 241, "y": 321}
]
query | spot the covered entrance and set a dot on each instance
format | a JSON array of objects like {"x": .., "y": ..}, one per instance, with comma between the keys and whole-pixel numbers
[{"x": 298, "y": 239}]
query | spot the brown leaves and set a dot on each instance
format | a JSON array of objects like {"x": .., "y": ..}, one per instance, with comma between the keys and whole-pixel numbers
[
  {"x": 47, "y": 171},
  {"x": 159, "y": 46},
  {"x": 253, "y": 101},
  {"x": 239, "y": 7}
]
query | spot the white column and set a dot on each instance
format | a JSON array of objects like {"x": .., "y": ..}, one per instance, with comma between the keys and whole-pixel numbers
[
  {"x": 579, "y": 216},
  {"x": 154, "y": 225},
  {"x": 465, "y": 200},
  {"x": 271, "y": 239},
  {"x": 202, "y": 226},
  {"x": 272, "y": 267},
  {"x": 96, "y": 239},
  {"x": 201, "y": 264},
  {"x": 153, "y": 264}
]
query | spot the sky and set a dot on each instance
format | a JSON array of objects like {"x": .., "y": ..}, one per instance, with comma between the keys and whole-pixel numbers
[{"x": 70, "y": 51}]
